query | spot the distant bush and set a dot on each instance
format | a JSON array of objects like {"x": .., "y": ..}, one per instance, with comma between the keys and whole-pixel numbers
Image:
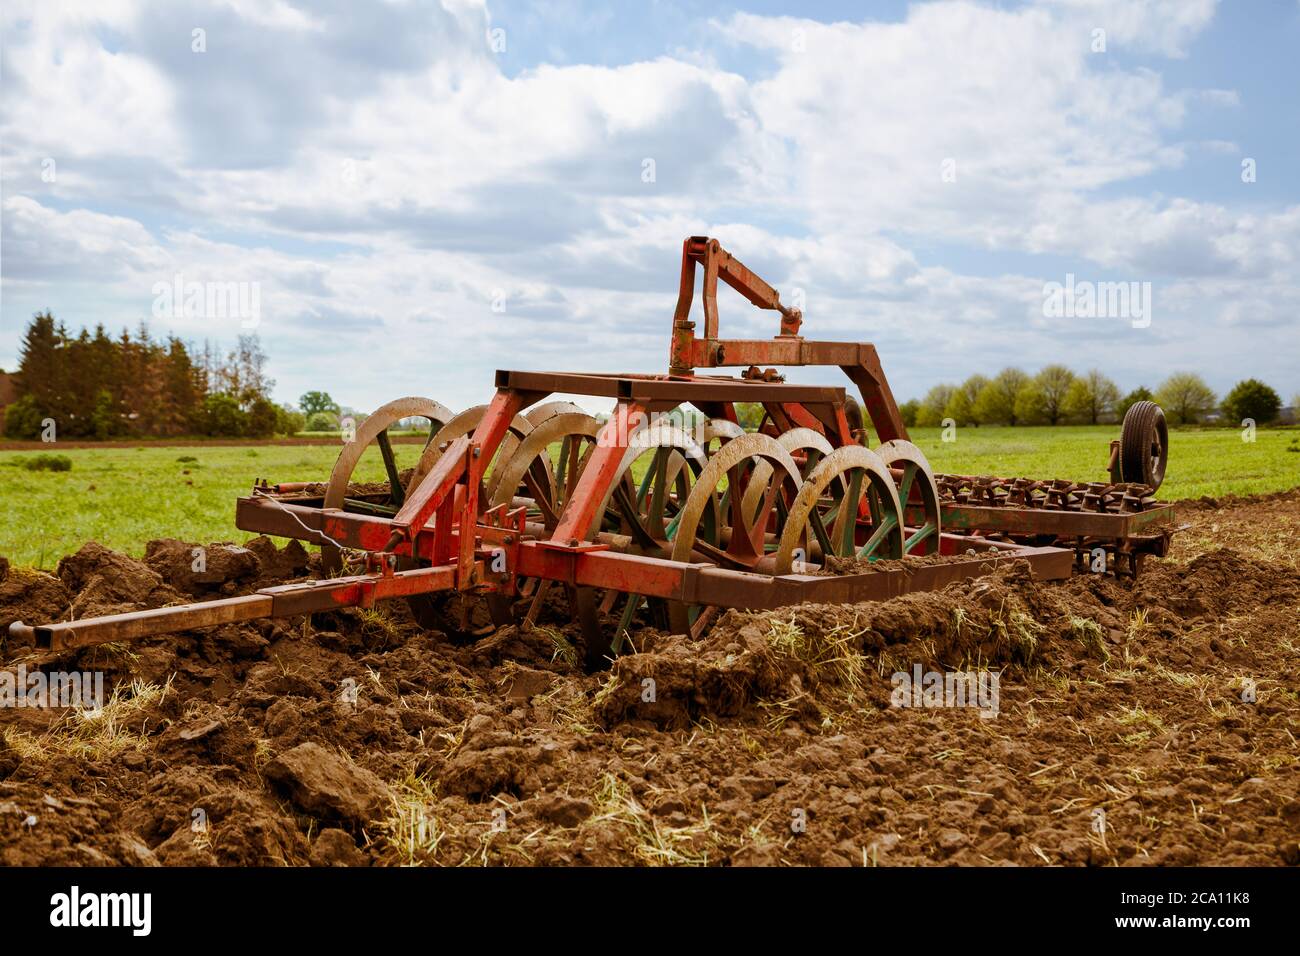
[
  {"x": 909, "y": 410},
  {"x": 749, "y": 414},
  {"x": 223, "y": 417},
  {"x": 262, "y": 418},
  {"x": 289, "y": 421},
  {"x": 48, "y": 463},
  {"x": 23, "y": 419},
  {"x": 322, "y": 422},
  {"x": 1139, "y": 394},
  {"x": 1251, "y": 399}
]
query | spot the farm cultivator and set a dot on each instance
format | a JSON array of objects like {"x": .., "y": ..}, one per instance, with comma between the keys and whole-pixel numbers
[{"x": 668, "y": 510}]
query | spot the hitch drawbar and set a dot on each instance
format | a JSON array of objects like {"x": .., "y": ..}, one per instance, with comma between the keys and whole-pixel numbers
[{"x": 286, "y": 600}]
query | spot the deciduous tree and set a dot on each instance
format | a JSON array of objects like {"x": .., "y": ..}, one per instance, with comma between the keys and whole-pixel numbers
[
  {"x": 1053, "y": 384},
  {"x": 1185, "y": 398},
  {"x": 961, "y": 404},
  {"x": 313, "y": 402},
  {"x": 934, "y": 406},
  {"x": 1091, "y": 397},
  {"x": 996, "y": 402}
]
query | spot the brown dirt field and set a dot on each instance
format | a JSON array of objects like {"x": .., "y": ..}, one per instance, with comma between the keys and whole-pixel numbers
[{"x": 361, "y": 739}]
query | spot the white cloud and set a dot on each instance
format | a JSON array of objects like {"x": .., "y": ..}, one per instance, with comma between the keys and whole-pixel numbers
[
  {"x": 42, "y": 244},
  {"x": 1166, "y": 27},
  {"x": 69, "y": 97},
  {"x": 1012, "y": 104},
  {"x": 274, "y": 13}
]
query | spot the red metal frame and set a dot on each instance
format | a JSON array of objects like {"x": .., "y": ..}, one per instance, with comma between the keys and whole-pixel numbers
[
  {"x": 687, "y": 352},
  {"x": 442, "y": 520}
]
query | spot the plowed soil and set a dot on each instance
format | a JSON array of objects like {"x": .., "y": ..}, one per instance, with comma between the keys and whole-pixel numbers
[{"x": 1139, "y": 723}]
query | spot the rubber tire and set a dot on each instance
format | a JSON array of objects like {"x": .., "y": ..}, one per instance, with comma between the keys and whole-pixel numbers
[{"x": 1144, "y": 423}]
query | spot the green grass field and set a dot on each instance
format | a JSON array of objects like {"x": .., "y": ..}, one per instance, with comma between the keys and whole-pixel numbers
[
  {"x": 124, "y": 496},
  {"x": 1201, "y": 461}
]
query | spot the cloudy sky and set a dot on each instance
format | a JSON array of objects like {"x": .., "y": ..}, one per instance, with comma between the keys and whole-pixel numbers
[{"x": 423, "y": 192}]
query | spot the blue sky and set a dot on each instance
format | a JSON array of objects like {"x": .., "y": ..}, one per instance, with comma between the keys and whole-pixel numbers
[{"x": 423, "y": 192}]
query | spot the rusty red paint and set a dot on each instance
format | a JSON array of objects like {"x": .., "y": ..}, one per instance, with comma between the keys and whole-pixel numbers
[{"x": 580, "y": 512}]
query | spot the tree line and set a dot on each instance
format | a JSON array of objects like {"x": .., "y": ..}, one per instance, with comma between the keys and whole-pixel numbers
[
  {"x": 93, "y": 385},
  {"x": 1058, "y": 396}
]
